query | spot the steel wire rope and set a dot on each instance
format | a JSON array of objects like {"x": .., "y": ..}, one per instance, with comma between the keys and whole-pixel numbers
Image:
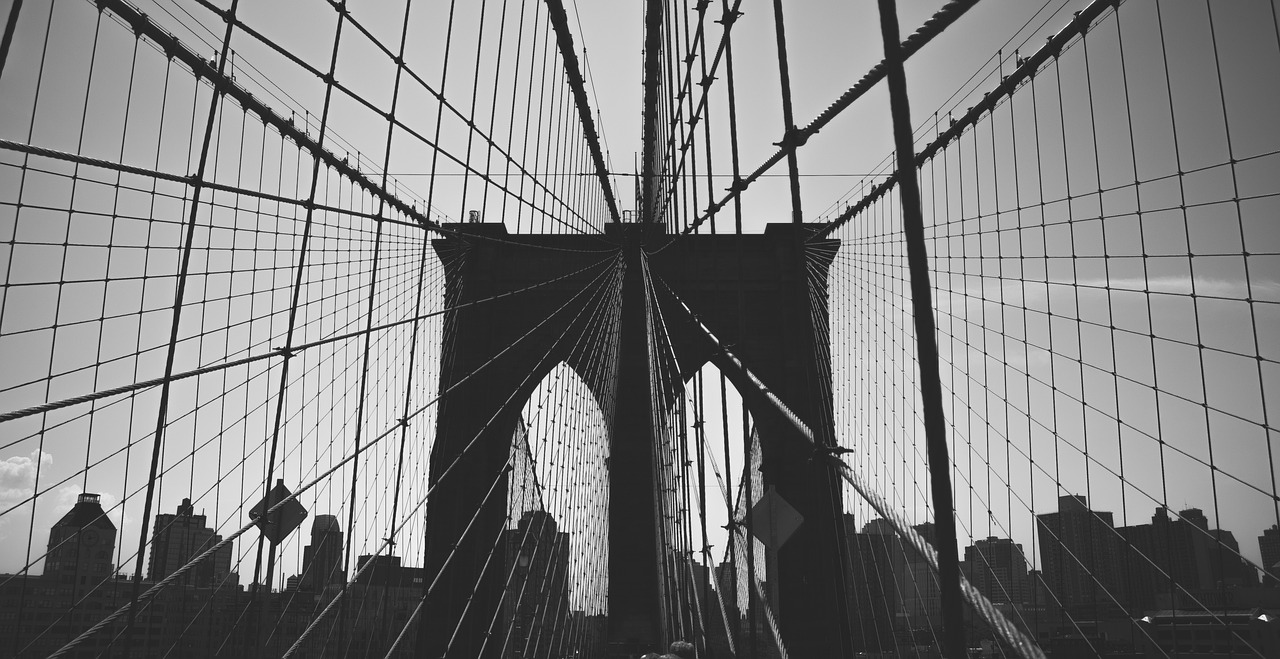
[
  {"x": 654, "y": 362},
  {"x": 822, "y": 352},
  {"x": 473, "y": 442},
  {"x": 1026, "y": 71},
  {"x": 151, "y": 592},
  {"x": 506, "y": 467},
  {"x": 1034, "y": 465},
  {"x": 790, "y": 142},
  {"x": 725, "y": 359},
  {"x": 444, "y": 103},
  {"x": 706, "y": 451},
  {"x": 507, "y": 402},
  {"x": 372, "y": 290},
  {"x": 920, "y": 129},
  {"x": 141, "y": 23},
  {"x": 279, "y": 352}
]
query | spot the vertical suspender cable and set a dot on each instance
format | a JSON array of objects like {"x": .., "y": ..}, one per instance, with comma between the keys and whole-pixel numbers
[{"x": 953, "y": 644}]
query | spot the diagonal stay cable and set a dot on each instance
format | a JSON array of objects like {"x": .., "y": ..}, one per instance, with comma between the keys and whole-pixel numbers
[
  {"x": 506, "y": 467},
  {"x": 750, "y": 385},
  {"x": 277, "y": 352},
  {"x": 1007, "y": 86},
  {"x": 154, "y": 590},
  {"x": 797, "y": 137},
  {"x": 614, "y": 296},
  {"x": 468, "y": 121}
]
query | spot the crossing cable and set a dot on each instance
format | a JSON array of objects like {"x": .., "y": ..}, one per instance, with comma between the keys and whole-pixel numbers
[
  {"x": 823, "y": 343},
  {"x": 438, "y": 95},
  {"x": 151, "y": 592},
  {"x": 750, "y": 385},
  {"x": 926, "y": 341},
  {"x": 185, "y": 260},
  {"x": 300, "y": 276},
  {"x": 279, "y": 352},
  {"x": 361, "y": 399},
  {"x": 608, "y": 330},
  {"x": 705, "y": 449},
  {"x": 1073, "y": 362},
  {"x": 202, "y": 557},
  {"x": 1007, "y": 86},
  {"x": 615, "y": 288},
  {"x": 144, "y": 26},
  {"x": 502, "y": 473},
  {"x": 797, "y": 137}
]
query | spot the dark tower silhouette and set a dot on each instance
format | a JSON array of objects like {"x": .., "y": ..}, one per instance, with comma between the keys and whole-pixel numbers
[
  {"x": 748, "y": 290},
  {"x": 81, "y": 545},
  {"x": 322, "y": 559},
  {"x": 178, "y": 538}
]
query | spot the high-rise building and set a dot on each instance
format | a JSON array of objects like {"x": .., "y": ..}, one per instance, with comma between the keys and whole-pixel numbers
[
  {"x": 322, "y": 559},
  {"x": 1165, "y": 560},
  {"x": 81, "y": 545},
  {"x": 875, "y": 557},
  {"x": 1079, "y": 552},
  {"x": 998, "y": 569},
  {"x": 1269, "y": 544},
  {"x": 180, "y": 537},
  {"x": 918, "y": 584},
  {"x": 537, "y": 598}
]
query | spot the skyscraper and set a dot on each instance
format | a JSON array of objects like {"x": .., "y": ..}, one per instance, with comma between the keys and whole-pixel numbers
[
  {"x": 1079, "y": 551},
  {"x": 322, "y": 559},
  {"x": 537, "y": 597},
  {"x": 1165, "y": 560},
  {"x": 918, "y": 584},
  {"x": 81, "y": 545},
  {"x": 1269, "y": 544},
  {"x": 876, "y": 557},
  {"x": 180, "y": 537},
  {"x": 998, "y": 569}
]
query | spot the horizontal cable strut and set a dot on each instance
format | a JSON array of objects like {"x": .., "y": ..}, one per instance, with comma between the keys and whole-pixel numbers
[
  {"x": 750, "y": 385},
  {"x": 564, "y": 40},
  {"x": 1007, "y": 86},
  {"x": 797, "y": 138}
]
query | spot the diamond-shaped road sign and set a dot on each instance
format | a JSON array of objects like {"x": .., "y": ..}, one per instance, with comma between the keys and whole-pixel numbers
[
  {"x": 773, "y": 520},
  {"x": 282, "y": 522}
]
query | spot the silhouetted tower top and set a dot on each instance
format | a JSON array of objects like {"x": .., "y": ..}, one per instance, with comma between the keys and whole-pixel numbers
[
  {"x": 179, "y": 537},
  {"x": 81, "y": 544},
  {"x": 322, "y": 559}
]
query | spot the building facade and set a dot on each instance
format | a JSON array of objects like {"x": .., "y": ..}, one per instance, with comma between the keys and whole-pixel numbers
[
  {"x": 322, "y": 559},
  {"x": 998, "y": 569},
  {"x": 179, "y": 537},
  {"x": 1079, "y": 553},
  {"x": 82, "y": 545},
  {"x": 1269, "y": 544}
]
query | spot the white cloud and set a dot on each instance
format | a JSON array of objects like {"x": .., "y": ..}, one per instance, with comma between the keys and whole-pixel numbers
[{"x": 18, "y": 476}]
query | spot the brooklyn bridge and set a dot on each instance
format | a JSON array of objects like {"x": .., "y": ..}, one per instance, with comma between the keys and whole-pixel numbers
[{"x": 338, "y": 328}]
